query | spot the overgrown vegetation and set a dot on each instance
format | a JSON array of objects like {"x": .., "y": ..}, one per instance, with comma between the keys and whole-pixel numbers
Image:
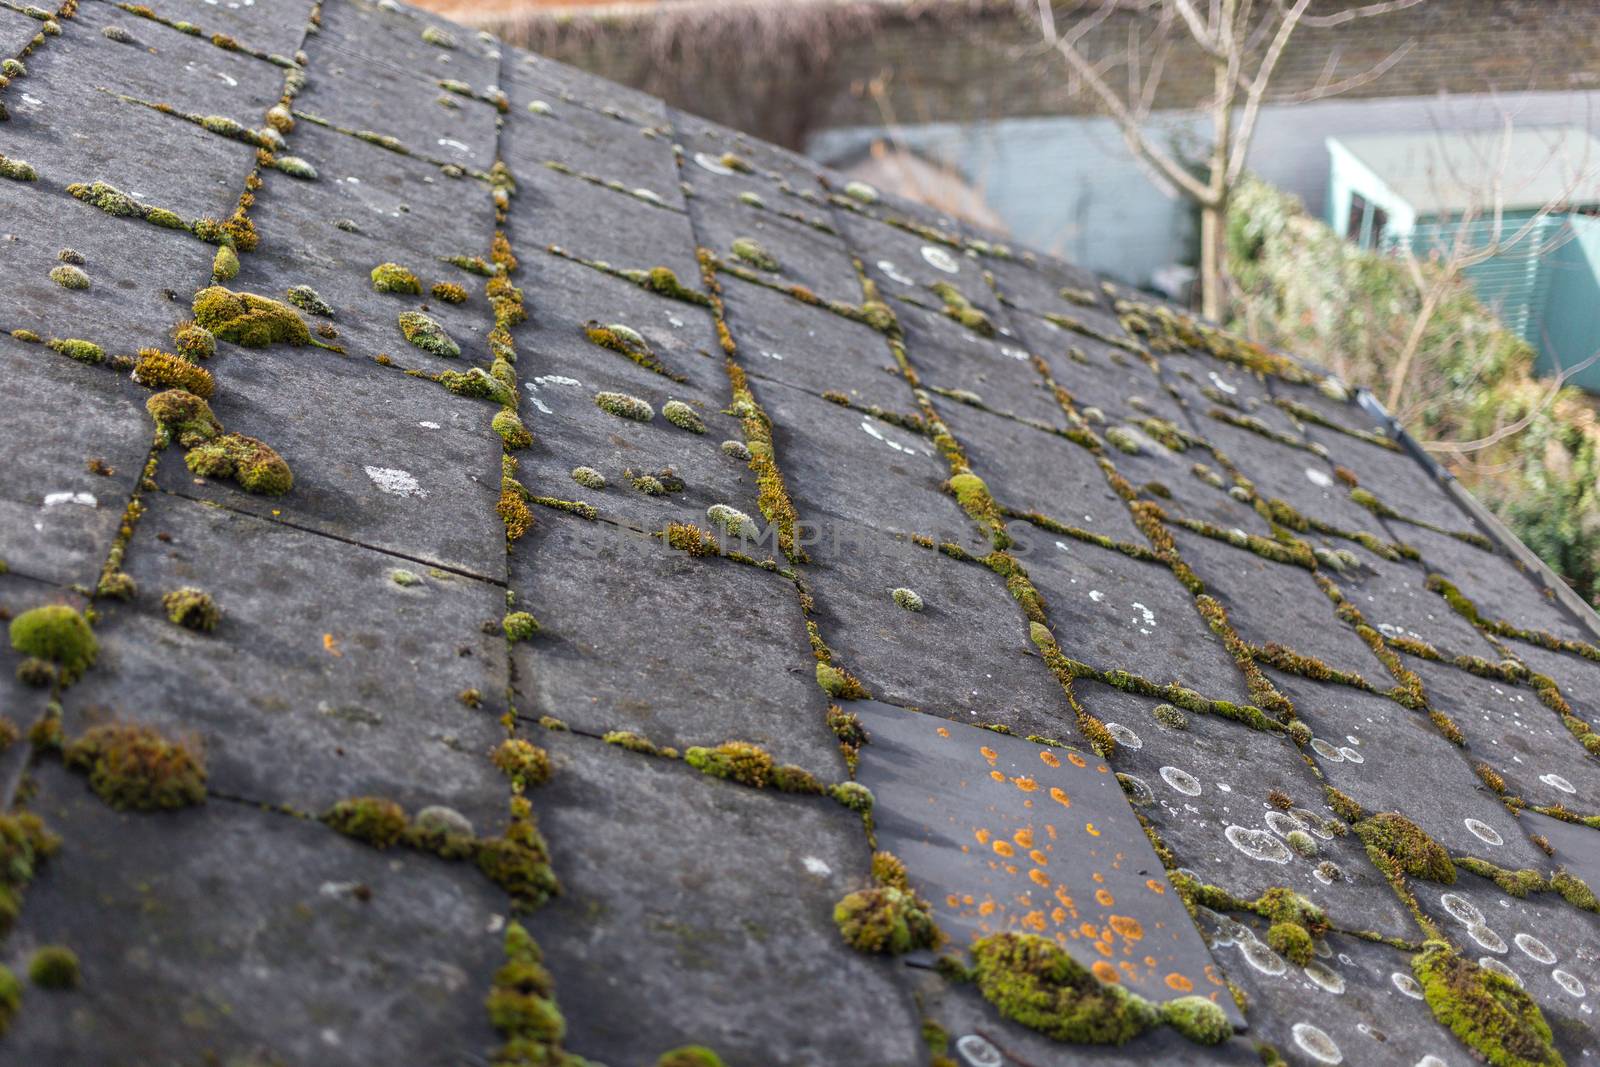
[{"x": 1525, "y": 448}]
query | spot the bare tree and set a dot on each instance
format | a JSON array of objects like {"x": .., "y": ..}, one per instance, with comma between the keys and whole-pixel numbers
[{"x": 1243, "y": 42}]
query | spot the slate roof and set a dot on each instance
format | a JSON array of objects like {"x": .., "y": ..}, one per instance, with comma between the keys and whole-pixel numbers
[{"x": 1130, "y": 614}]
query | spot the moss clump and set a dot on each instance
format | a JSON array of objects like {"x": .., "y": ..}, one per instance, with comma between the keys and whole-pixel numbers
[
  {"x": 182, "y": 417},
  {"x": 424, "y": 332},
  {"x": 248, "y": 320},
  {"x": 295, "y": 167},
  {"x": 840, "y": 683},
  {"x": 308, "y": 300},
  {"x": 59, "y": 635},
  {"x": 689, "y": 1056},
  {"x": 853, "y": 795},
  {"x": 1490, "y": 1013},
  {"x": 374, "y": 820},
  {"x": 972, "y": 494},
  {"x": 648, "y": 484},
  {"x": 958, "y": 307},
  {"x": 132, "y": 766},
  {"x": 449, "y": 292},
  {"x": 1170, "y": 717},
  {"x": 393, "y": 278},
  {"x": 1407, "y": 845},
  {"x": 225, "y": 265},
  {"x": 78, "y": 349},
  {"x": 909, "y": 599},
  {"x": 107, "y": 198},
  {"x": 522, "y": 1006},
  {"x": 736, "y": 761},
  {"x": 731, "y": 521},
  {"x": 163, "y": 370},
  {"x": 10, "y": 997},
  {"x": 508, "y": 424},
  {"x": 524, "y": 763},
  {"x": 1124, "y": 440},
  {"x": 192, "y": 608},
  {"x": 736, "y": 450},
  {"x": 627, "y": 341},
  {"x": 1033, "y": 981},
  {"x": 886, "y": 919},
  {"x": 751, "y": 252},
  {"x": 589, "y": 478},
  {"x": 1302, "y": 842},
  {"x": 624, "y": 406},
  {"x": 1197, "y": 1019},
  {"x": 682, "y": 416},
  {"x": 519, "y": 861},
  {"x": 478, "y": 383},
  {"x": 254, "y": 464},
  {"x": 687, "y": 537},
  {"x": 18, "y": 170},
  {"x": 861, "y": 192},
  {"x": 194, "y": 342},
  {"x": 69, "y": 277},
  {"x": 1291, "y": 941},
  {"x": 519, "y": 626},
  {"x": 54, "y": 967}
]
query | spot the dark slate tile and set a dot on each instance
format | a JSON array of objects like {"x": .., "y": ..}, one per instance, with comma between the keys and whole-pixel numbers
[
  {"x": 58, "y": 517},
  {"x": 1302, "y": 479},
  {"x": 1204, "y": 788},
  {"x": 1212, "y": 385},
  {"x": 1096, "y": 375},
  {"x": 1499, "y": 586},
  {"x": 228, "y": 933},
  {"x": 772, "y": 163},
  {"x": 809, "y": 348},
  {"x": 1393, "y": 597},
  {"x": 906, "y": 264},
  {"x": 71, "y": 132},
  {"x": 1035, "y": 283},
  {"x": 529, "y": 77},
  {"x": 965, "y": 655},
  {"x": 999, "y": 373},
  {"x": 1182, "y": 483},
  {"x": 1576, "y": 847},
  {"x": 140, "y": 276},
  {"x": 1577, "y": 678},
  {"x": 1347, "y": 413},
  {"x": 1114, "y": 612},
  {"x": 163, "y": 65},
  {"x": 406, "y": 467},
  {"x": 1031, "y": 470},
  {"x": 1355, "y": 1003},
  {"x": 296, "y": 697},
  {"x": 1003, "y": 834},
  {"x": 638, "y": 973},
  {"x": 396, "y": 34},
  {"x": 596, "y": 223},
  {"x": 1395, "y": 478},
  {"x": 684, "y": 651},
  {"x": 16, "y": 30},
  {"x": 639, "y": 157},
  {"x": 845, "y": 465},
  {"x": 1277, "y": 603},
  {"x": 805, "y": 258},
  {"x": 1376, "y": 751},
  {"x": 276, "y": 28},
  {"x": 1508, "y": 728},
  {"x": 1548, "y": 947},
  {"x": 358, "y": 93},
  {"x": 979, "y": 1035}
]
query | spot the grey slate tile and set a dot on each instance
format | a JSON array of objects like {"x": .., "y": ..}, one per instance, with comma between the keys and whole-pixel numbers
[
  {"x": 1499, "y": 587},
  {"x": 276, "y": 28},
  {"x": 998, "y": 372}
]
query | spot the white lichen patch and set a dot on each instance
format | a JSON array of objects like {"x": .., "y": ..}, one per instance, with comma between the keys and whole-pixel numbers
[
  {"x": 1555, "y": 781},
  {"x": 941, "y": 260},
  {"x": 893, "y": 273},
  {"x": 1483, "y": 832},
  {"x": 1181, "y": 780},
  {"x": 52, "y": 500},
  {"x": 1535, "y": 949},
  {"x": 713, "y": 165},
  {"x": 1324, "y": 977},
  {"x": 1124, "y": 737},
  {"x": 395, "y": 482},
  {"x": 1407, "y": 985},
  {"x": 1320, "y": 479},
  {"x": 877, "y": 435},
  {"x": 1461, "y": 909},
  {"x": 1258, "y": 844},
  {"x": 1315, "y": 1042},
  {"x": 1568, "y": 982},
  {"x": 816, "y": 866}
]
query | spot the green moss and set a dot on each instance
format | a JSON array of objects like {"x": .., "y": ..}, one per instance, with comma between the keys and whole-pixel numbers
[
  {"x": 689, "y": 1056},
  {"x": 225, "y": 265},
  {"x": 1491, "y": 1014},
  {"x": 424, "y": 332},
  {"x": 522, "y": 1007},
  {"x": 156, "y": 369},
  {"x": 308, "y": 300},
  {"x": 787, "y": 778},
  {"x": 75, "y": 348},
  {"x": 194, "y": 342},
  {"x": 750, "y": 251},
  {"x": 1033, "y": 981},
  {"x": 662, "y": 281},
  {"x": 861, "y": 192},
  {"x": 1393, "y": 835},
  {"x": 524, "y": 763},
  {"x": 1170, "y": 717},
  {"x": 107, "y": 198},
  {"x": 248, "y": 320},
  {"x": 254, "y": 464},
  {"x": 1124, "y": 440},
  {"x": 53, "y": 967},
  {"x": 508, "y": 424},
  {"x": 10, "y": 997},
  {"x": 840, "y": 683},
  {"x": 683, "y": 416},
  {"x": 1198, "y": 1019},
  {"x": 519, "y": 860},
  {"x": 886, "y": 919},
  {"x": 192, "y": 608},
  {"x": 479, "y": 383},
  {"x": 853, "y": 795},
  {"x": 624, "y": 406},
  {"x": 182, "y": 417},
  {"x": 1291, "y": 941},
  {"x": 736, "y": 450},
  {"x": 449, "y": 292},
  {"x": 1574, "y": 890},
  {"x": 376, "y": 821},
  {"x": 633, "y": 742},
  {"x": 404, "y": 578},
  {"x": 18, "y": 170},
  {"x": 1302, "y": 842},
  {"x": 909, "y": 599},
  {"x": 69, "y": 277},
  {"x": 736, "y": 761},
  {"x": 296, "y": 167},
  {"x": 57, "y": 634},
  {"x": 132, "y": 766},
  {"x": 393, "y": 278},
  {"x": 437, "y": 37},
  {"x": 589, "y": 478}
]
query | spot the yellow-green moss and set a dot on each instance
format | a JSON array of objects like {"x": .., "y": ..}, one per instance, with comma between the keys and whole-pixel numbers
[
  {"x": 156, "y": 369},
  {"x": 53, "y": 967},
  {"x": 182, "y": 417},
  {"x": 519, "y": 626},
  {"x": 393, "y": 278},
  {"x": 449, "y": 292},
  {"x": 194, "y": 342},
  {"x": 308, "y": 300},
  {"x": 77, "y": 348},
  {"x": 1033, "y": 981},
  {"x": 192, "y": 608},
  {"x": 737, "y": 761},
  {"x": 376, "y": 821},
  {"x": 426, "y": 333},
  {"x": 10, "y": 997},
  {"x": 1490, "y": 1013},
  {"x": 750, "y": 251},
  {"x": 1198, "y": 1019},
  {"x": 683, "y": 416},
  {"x": 56, "y": 634},
  {"x": 519, "y": 860},
  {"x": 508, "y": 424},
  {"x": 135, "y": 766},
  {"x": 69, "y": 277},
  {"x": 248, "y": 320},
  {"x": 689, "y": 1056},
  {"x": 624, "y": 406},
  {"x": 1393, "y": 835},
  {"x": 886, "y": 919},
  {"x": 254, "y": 464},
  {"x": 524, "y": 763}
]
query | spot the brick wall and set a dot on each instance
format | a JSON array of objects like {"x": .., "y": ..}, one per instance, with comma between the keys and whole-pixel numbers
[{"x": 800, "y": 67}]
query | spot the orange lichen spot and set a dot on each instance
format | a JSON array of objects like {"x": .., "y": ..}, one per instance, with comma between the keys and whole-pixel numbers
[
  {"x": 1105, "y": 972},
  {"x": 1090, "y": 829},
  {"x": 1003, "y": 848},
  {"x": 1059, "y": 795},
  {"x": 989, "y": 754},
  {"x": 1104, "y": 948},
  {"x": 1104, "y": 898},
  {"x": 1063, "y": 896},
  {"x": 1098, "y": 877},
  {"x": 1149, "y": 961},
  {"x": 1039, "y": 878},
  {"x": 1213, "y": 977},
  {"x": 982, "y": 835},
  {"x": 1050, "y": 829},
  {"x": 1089, "y": 930},
  {"x": 1155, "y": 887},
  {"x": 1058, "y": 915},
  {"x": 1103, "y": 769},
  {"x": 1024, "y": 837},
  {"x": 1050, "y": 758},
  {"x": 1039, "y": 857},
  {"x": 944, "y": 731},
  {"x": 330, "y": 644},
  {"x": 986, "y": 909},
  {"x": 1025, "y": 783},
  {"x": 1179, "y": 982},
  {"x": 952, "y": 901},
  {"x": 1127, "y": 926},
  {"x": 1011, "y": 868},
  {"x": 1076, "y": 760},
  {"x": 998, "y": 776},
  {"x": 1034, "y": 921}
]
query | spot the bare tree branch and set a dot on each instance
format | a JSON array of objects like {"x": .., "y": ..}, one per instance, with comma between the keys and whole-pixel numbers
[
  {"x": 1324, "y": 90},
  {"x": 1366, "y": 11}
]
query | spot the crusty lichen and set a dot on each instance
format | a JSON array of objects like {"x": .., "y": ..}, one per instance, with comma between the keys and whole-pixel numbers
[{"x": 135, "y": 766}]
